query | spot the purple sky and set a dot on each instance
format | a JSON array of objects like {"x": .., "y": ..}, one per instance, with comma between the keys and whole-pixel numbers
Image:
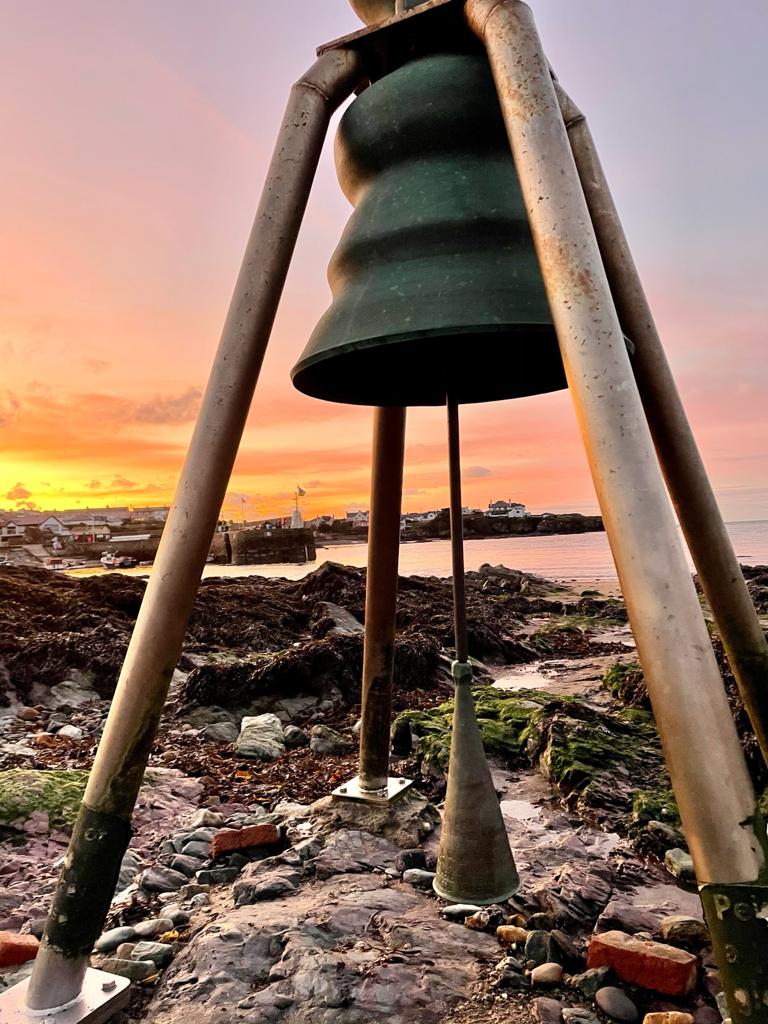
[{"x": 135, "y": 140}]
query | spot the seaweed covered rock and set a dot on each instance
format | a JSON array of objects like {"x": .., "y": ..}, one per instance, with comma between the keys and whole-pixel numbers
[
  {"x": 756, "y": 577},
  {"x": 51, "y": 625},
  {"x": 323, "y": 668},
  {"x": 425, "y": 606},
  {"x": 251, "y": 613},
  {"x": 625, "y": 682},
  {"x": 600, "y": 760},
  {"x": 312, "y": 667},
  {"x": 23, "y": 792},
  {"x": 340, "y": 584}
]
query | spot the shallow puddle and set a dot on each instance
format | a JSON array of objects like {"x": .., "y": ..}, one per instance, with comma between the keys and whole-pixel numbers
[
  {"x": 520, "y": 810},
  {"x": 533, "y": 676}
]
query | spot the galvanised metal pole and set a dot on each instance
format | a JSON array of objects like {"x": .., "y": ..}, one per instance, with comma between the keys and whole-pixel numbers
[
  {"x": 381, "y": 598},
  {"x": 102, "y": 830},
  {"x": 689, "y": 487},
  {"x": 709, "y": 775},
  {"x": 724, "y": 830}
]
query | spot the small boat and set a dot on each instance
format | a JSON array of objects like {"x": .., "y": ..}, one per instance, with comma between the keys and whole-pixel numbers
[{"x": 109, "y": 560}]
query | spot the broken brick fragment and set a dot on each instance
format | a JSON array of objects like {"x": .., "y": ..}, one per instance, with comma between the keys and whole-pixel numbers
[
  {"x": 17, "y": 949},
  {"x": 652, "y": 965},
  {"x": 243, "y": 838}
]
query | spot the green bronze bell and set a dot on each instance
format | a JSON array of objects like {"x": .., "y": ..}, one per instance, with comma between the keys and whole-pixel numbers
[{"x": 436, "y": 286}]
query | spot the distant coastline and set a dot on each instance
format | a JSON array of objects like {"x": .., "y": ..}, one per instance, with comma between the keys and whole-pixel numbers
[{"x": 476, "y": 527}]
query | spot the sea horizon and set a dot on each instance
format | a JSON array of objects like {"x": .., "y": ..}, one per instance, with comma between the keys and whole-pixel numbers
[{"x": 576, "y": 557}]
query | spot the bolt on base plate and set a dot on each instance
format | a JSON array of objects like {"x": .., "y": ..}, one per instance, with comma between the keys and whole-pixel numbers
[
  {"x": 351, "y": 791},
  {"x": 101, "y": 997}
]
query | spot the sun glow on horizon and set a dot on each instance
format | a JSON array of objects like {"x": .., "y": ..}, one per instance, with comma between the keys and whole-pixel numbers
[{"x": 135, "y": 142}]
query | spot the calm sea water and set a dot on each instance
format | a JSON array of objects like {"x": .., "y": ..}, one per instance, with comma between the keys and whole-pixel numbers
[{"x": 584, "y": 556}]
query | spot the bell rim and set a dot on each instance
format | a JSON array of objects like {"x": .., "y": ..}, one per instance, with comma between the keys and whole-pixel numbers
[{"x": 360, "y": 347}]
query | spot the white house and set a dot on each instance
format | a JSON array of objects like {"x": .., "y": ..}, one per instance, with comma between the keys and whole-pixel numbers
[
  {"x": 9, "y": 531},
  {"x": 358, "y": 517},
  {"x": 421, "y": 517},
  {"x": 52, "y": 524},
  {"x": 320, "y": 522},
  {"x": 14, "y": 526},
  {"x": 508, "y": 509}
]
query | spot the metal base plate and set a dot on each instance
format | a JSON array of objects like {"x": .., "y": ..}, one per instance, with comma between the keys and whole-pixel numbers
[
  {"x": 102, "y": 996},
  {"x": 351, "y": 791}
]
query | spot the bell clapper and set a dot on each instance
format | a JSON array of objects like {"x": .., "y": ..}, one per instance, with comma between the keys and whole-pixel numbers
[{"x": 474, "y": 863}]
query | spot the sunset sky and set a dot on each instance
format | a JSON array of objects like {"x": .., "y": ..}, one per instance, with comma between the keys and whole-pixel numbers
[{"x": 135, "y": 139}]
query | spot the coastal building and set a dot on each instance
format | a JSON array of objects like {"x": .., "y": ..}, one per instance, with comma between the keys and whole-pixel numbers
[
  {"x": 420, "y": 517},
  {"x": 87, "y": 533},
  {"x": 14, "y": 526},
  {"x": 320, "y": 522},
  {"x": 81, "y": 516},
  {"x": 10, "y": 532},
  {"x": 358, "y": 517},
  {"x": 151, "y": 513},
  {"x": 508, "y": 509},
  {"x": 52, "y": 524}
]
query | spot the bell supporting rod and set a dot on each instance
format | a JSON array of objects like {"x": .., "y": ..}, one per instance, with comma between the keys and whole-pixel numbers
[
  {"x": 373, "y": 784},
  {"x": 474, "y": 862},
  {"x": 457, "y": 534},
  {"x": 102, "y": 830},
  {"x": 717, "y": 803},
  {"x": 687, "y": 481}
]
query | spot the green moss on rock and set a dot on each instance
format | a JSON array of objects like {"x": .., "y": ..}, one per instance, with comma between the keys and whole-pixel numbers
[
  {"x": 23, "y": 791},
  {"x": 625, "y": 682},
  {"x": 603, "y": 761},
  {"x": 503, "y": 719},
  {"x": 656, "y": 804}
]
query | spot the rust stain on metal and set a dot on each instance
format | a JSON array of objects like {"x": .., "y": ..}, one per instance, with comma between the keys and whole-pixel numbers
[{"x": 565, "y": 270}]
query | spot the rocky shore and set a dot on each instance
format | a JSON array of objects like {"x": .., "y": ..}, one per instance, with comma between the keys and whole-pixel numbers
[{"x": 246, "y": 893}]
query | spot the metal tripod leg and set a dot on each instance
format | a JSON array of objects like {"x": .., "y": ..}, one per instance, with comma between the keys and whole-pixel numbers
[
  {"x": 706, "y": 765},
  {"x": 102, "y": 831},
  {"x": 687, "y": 481},
  {"x": 373, "y": 784}
]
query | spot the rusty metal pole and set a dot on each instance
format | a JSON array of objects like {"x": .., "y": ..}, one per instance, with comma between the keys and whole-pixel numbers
[
  {"x": 722, "y": 824},
  {"x": 687, "y": 481},
  {"x": 373, "y": 784},
  {"x": 709, "y": 775},
  {"x": 102, "y": 830}
]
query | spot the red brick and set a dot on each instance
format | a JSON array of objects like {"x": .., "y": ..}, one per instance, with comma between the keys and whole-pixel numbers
[
  {"x": 17, "y": 949},
  {"x": 242, "y": 838},
  {"x": 651, "y": 965}
]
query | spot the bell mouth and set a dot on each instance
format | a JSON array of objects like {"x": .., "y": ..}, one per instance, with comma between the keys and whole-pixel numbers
[{"x": 486, "y": 364}]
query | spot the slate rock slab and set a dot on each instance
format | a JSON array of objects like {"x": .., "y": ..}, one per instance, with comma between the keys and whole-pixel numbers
[
  {"x": 348, "y": 851},
  {"x": 261, "y": 737},
  {"x": 347, "y": 950}
]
